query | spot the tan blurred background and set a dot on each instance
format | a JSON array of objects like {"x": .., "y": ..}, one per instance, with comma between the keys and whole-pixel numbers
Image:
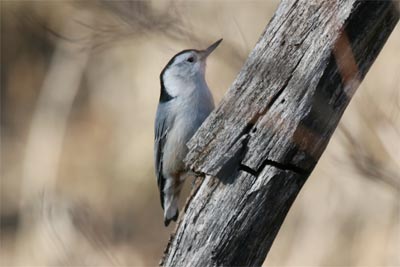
[{"x": 79, "y": 90}]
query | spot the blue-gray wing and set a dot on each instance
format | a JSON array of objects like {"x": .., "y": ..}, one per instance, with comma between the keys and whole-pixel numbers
[{"x": 160, "y": 138}]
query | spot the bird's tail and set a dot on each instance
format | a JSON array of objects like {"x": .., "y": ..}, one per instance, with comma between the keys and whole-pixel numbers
[{"x": 171, "y": 211}]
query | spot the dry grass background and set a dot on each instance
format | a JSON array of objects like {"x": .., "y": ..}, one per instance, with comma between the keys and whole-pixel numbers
[{"x": 79, "y": 90}]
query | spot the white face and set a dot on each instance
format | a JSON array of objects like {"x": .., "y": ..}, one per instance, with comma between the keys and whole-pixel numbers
[
  {"x": 187, "y": 64},
  {"x": 186, "y": 70}
]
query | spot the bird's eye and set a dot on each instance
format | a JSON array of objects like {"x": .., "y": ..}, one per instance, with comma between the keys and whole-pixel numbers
[{"x": 190, "y": 59}]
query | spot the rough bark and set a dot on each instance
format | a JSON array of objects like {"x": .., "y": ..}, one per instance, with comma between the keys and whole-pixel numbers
[{"x": 258, "y": 147}]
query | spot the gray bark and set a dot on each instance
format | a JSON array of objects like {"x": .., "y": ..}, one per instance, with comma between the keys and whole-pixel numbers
[{"x": 258, "y": 147}]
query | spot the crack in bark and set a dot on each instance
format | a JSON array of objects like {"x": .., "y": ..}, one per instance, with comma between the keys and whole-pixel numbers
[
  {"x": 278, "y": 165},
  {"x": 250, "y": 128}
]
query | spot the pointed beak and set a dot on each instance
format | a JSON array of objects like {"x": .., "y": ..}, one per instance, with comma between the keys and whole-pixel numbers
[{"x": 205, "y": 53}]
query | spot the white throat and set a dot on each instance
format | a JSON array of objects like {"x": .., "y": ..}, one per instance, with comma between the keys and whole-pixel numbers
[{"x": 178, "y": 85}]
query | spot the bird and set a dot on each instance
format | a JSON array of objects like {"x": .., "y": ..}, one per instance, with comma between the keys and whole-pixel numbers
[{"x": 185, "y": 102}]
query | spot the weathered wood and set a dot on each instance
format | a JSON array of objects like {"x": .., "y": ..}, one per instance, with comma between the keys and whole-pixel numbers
[{"x": 262, "y": 142}]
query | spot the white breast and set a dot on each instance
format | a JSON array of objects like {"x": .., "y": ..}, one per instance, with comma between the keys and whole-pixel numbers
[{"x": 189, "y": 111}]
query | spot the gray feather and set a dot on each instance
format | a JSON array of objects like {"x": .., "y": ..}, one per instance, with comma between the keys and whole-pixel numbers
[{"x": 160, "y": 138}]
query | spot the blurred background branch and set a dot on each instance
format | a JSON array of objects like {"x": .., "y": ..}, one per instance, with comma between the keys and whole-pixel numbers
[{"x": 44, "y": 149}]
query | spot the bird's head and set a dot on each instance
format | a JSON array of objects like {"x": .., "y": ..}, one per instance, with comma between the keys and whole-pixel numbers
[{"x": 185, "y": 67}]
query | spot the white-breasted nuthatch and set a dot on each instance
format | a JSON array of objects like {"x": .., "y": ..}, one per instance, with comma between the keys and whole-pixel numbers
[{"x": 185, "y": 102}]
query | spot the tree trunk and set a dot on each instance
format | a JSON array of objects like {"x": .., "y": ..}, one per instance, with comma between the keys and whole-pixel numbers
[{"x": 258, "y": 147}]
